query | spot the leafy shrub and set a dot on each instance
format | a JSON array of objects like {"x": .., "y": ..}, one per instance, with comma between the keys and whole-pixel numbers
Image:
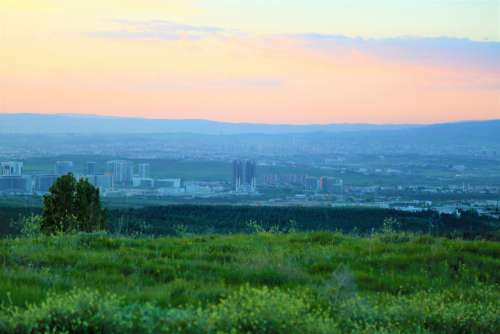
[
  {"x": 443, "y": 312},
  {"x": 77, "y": 312},
  {"x": 181, "y": 230},
  {"x": 340, "y": 286},
  {"x": 264, "y": 310},
  {"x": 249, "y": 310},
  {"x": 391, "y": 233},
  {"x": 253, "y": 226},
  {"x": 89, "y": 312},
  {"x": 148, "y": 318},
  {"x": 28, "y": 226}
]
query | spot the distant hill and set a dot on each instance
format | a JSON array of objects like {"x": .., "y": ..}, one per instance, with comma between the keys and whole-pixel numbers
[
  {"x": 458, "y": 132},
  {"x": 83, "y": 124},
  {"x": 475, "y": 133}
]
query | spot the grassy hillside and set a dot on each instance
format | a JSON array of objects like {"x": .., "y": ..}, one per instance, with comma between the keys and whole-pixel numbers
[{"x": 319, "y": 282}]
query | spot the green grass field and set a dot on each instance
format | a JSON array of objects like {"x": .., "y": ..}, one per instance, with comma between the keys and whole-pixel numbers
[{"x": 319, "y": 282}]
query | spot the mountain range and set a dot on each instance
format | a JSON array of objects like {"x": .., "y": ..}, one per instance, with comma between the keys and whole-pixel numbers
[{"x": 85, "y": 124}]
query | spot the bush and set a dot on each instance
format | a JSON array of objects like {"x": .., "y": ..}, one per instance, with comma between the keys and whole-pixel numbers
[
  {"x": 250, "y": 310},
  {"x": 90, "y": 312},
  {"x": 28, "y": 226},
  {"x": 448, "y": 311},
  {"x": 264, "y": 310},
  {"x": 79, "y": 311}
]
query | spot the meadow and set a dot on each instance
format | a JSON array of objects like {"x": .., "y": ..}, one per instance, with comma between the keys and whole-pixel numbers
[{"x": 264, "y": 282}]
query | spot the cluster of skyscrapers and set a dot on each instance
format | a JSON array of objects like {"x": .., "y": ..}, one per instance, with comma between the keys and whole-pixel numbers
[
  {"x": 244, "y": 176},
  {"x": 117, "y": 174},
  {"x": 121, "y": 175},
  {"x": 330, "y": 185}
]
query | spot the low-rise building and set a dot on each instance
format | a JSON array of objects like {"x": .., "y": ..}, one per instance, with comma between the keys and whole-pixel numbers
[
  {"x": 11, "y": 168},
  {"x": 42, "y": 183},
  {"x": 16, "y": 184}
]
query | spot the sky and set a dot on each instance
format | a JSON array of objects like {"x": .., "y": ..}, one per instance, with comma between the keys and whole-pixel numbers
[{"x": 266, "y": 61}]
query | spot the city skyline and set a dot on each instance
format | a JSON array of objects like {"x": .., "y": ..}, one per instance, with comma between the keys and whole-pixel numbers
[{"x": 294, "y": 62}]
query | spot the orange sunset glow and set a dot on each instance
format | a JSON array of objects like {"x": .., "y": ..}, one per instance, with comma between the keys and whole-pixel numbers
[{"x": 160, "y": 59}]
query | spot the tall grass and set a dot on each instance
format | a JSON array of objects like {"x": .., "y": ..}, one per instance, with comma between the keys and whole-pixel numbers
[{"x": 319, "y": 282}]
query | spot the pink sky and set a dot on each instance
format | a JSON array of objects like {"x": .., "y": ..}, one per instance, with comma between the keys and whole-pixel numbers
[{"x": 158, "y": 69}]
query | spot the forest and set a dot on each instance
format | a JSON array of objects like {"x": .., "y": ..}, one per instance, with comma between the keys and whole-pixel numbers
[{"x": 226, "y": 219}]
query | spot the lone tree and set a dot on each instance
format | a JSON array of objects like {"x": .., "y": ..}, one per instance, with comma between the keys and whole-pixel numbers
[{"x": 72, "y": 205}]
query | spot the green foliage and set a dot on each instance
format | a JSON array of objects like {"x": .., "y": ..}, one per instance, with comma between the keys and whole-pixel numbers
[
  {"x": 320, "y": 282},
  {"x": 389, "y": 232},
  {"x": 89, "y": 214},
  {"x": 203, "y": 219},
  {"x": 181, "y": 230},
  {"x": 289, "y": 227},
  {"x": 59, "y": 206},
  {"x": 264, "y": 310},
  {"x": 447, "y": 311},
  {"x": 72, "y": 205},
  {"x": 390, "y": 224},
  {"x": 249, "y": 310},
  {"x": 31, "y": 226},
  {"x": 28, "y": 226},
  {"x": 83, "y": 311}
]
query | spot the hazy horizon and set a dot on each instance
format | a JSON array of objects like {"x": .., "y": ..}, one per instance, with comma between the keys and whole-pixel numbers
[{"x": 213, "y": 120}]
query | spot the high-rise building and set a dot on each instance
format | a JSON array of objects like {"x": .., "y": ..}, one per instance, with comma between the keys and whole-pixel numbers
[
  {"x": 64, "y": 167},
  {"x": 338, "y": 186},
  {"x": 323, "y": 184},
  {"x": 237, "y": 174},
  {"x": 11, "y": 168},
  {"x": 244, "y": 175},
  {"x": 250, "y": 175},
  {"x": 122, "y": 172},
  {"x": 91, "y": 168},
  {"x": 311, "y": 183},
  {"x": 144, "y": 170},
  {"x": 331, "y": 185}
]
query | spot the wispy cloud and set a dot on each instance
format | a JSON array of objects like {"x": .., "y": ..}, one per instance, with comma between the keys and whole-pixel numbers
[
  {"x": 157, "y": 29},
  {"x": 424, "y": 50},
  {"x": 241, "y": 83}
]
